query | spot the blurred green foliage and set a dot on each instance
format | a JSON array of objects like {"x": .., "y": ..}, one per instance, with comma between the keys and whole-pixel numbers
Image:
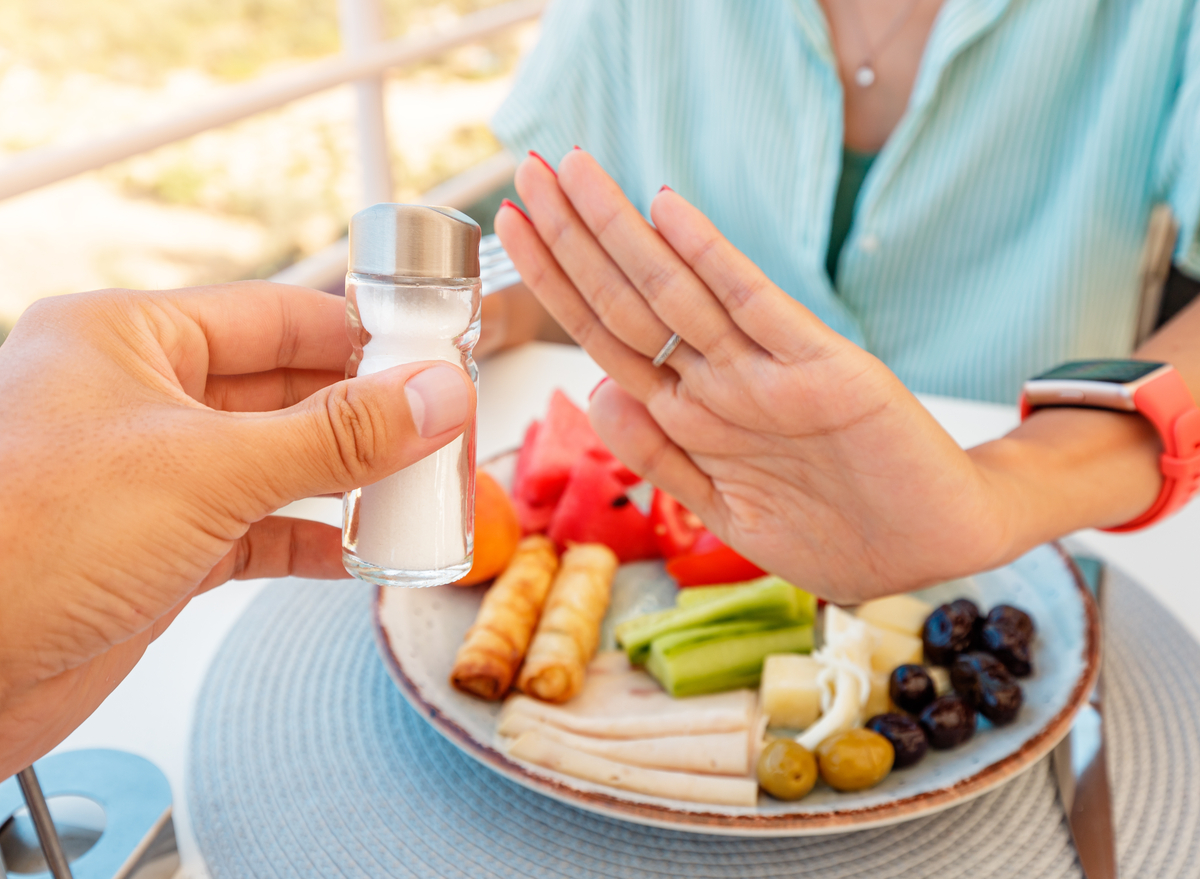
[{"x": 139, "y": 41}]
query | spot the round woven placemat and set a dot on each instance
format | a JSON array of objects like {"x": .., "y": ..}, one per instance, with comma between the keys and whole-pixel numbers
[{"x": 306, "y": 761}]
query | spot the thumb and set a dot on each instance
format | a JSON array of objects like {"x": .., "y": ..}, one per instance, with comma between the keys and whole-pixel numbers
[{"x": 355, "y": 432}]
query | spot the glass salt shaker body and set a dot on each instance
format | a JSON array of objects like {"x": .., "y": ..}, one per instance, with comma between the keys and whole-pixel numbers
[{"x": 413, "y": 293}]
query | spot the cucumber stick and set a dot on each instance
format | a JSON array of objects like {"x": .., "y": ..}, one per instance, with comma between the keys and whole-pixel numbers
[
  {"x": 693, "y": 596},
  {"x": 684, "y": 638},
  {"x": 710, "y": 659},
  {"x": 770, "y": 600}
]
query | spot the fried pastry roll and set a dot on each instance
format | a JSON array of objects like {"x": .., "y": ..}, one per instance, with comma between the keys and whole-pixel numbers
[
  {"x": 491, "y": 652},
  {"x": 569, "y": 630}
]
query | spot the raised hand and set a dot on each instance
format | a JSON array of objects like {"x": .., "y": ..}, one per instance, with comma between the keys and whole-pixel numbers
[{"x": 798, "y": 448}]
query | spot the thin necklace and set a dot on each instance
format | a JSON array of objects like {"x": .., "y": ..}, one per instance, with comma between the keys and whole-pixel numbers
[{"x": 865, "y": 74}]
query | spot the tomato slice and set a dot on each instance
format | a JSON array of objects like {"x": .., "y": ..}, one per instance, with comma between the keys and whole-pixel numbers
[
  {"x": 676, "y": 528},
  {"x": 721, "y": 565}
]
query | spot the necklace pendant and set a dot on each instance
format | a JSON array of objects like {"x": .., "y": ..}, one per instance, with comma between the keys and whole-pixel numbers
[{"x": 865, "y": 75}]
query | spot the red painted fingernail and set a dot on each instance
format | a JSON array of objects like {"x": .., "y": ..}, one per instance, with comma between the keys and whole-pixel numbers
[
  {"x": 575, "y": 147},
  {"x": 549, "y": 167},
  {"x": 509, "y": 204},
  {"x": 665, "y": 188},
  {"x": 598, "y": 384}
]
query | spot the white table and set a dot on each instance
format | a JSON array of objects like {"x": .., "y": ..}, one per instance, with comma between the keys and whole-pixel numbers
[{"x": 150, "y": 713}]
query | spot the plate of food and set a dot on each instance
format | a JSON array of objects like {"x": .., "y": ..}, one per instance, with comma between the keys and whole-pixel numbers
[{"x": 698, "y": 693}]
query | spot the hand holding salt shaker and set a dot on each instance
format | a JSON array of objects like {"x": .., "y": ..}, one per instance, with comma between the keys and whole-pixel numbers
[{"x": 413, "y": 293}]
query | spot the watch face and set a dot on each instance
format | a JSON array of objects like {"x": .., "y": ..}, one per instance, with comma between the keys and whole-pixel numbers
[{"x": 1115, "y": 371}]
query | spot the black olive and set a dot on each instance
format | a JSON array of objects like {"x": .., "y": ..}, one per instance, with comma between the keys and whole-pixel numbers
[
  {"x": 905, "y": 734},
  {"x": 911, "y": 688},
  {"x": 1002, "y": 702},
  {"x": 948, "y": 722},
  {"x": 967, "y": 670},
  {"x": 1014, "y": 617},
  {"x": 1009, "y": 645},
  {"x": 949, "y": 631},
  {"x": 966, "y": 607},
  {"x": 986, "y": 685}
]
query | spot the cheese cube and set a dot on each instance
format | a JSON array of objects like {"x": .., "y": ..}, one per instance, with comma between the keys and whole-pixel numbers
[
  {"x": 790, "y": 695},
  {"x": 941, "y": 679},
  {"x": 879, "y": 701},
  {"x": 893, "y": 649},
  {"x": 900, "y": 613}
]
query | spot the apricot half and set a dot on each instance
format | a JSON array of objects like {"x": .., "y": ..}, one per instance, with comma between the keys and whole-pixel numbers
[{"x": 497, "y": 531}]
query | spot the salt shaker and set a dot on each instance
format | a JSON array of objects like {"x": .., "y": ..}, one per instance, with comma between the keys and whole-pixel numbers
[{"x": 413, "y": 293}]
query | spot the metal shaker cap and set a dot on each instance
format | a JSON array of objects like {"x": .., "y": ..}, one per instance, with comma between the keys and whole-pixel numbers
[{"x": 416, "y": 241}]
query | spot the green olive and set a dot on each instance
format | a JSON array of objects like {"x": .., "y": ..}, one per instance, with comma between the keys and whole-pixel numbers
[
  {"x": 787, "y": 770},
  {"x": 855, "y": 759}
]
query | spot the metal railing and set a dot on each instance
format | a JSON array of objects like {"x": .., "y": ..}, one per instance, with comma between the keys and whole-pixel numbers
[
  {"x": 364, "y": 60},
  {"x": 325, "y": 269}
]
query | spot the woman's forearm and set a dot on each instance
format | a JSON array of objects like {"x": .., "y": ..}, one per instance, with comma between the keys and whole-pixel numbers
[{"x": 1067, "y": 469}]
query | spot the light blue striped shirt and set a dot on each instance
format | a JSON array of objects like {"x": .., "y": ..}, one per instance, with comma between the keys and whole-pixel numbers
[{"x": 1000, "y": 230}]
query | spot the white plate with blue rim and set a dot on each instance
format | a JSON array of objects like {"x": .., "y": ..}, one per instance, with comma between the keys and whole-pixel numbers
[{"x": 418, "y": 632}]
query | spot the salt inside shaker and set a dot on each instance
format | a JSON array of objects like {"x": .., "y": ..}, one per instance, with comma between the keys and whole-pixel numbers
[{"x": 413, "y": 293}]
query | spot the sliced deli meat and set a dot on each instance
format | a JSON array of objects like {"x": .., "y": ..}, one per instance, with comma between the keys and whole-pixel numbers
[
  {"x": 621, "y": 702},
  {"x": 629, "y": 726},
  {"x": 533, "y": 747},
  {"x": 711, "y": 753}
]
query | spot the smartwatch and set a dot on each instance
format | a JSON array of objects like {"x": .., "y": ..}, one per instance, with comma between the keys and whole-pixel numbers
[{"x": 1157, "y": 392}]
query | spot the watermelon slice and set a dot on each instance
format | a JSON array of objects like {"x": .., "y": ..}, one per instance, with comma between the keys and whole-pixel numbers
[
  {"x": 524, "y": 459},
  {"x": 534, "y": 518},
  {"x": 550, "y": 449},
  {"x": 595, "y": 509}
]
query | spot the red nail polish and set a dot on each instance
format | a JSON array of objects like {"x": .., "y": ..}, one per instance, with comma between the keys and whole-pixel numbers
[
  {"x": 575, "y": 147},
  {"x": 598, "y": 384},
  {"x": 549, "y": 167},
  {"x": 509, "y": 204},
  {"x": 665, "y": 188}
]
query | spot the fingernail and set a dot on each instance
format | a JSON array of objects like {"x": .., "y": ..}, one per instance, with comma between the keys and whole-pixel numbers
[
  {"x": 549, "y": 167},
  {"x": 575, "y": 147},
  {"x": 665, "y": 188},
  {"x": 438, "y": 400},
  {"x": 598, "y": 384},
  {"x": 505, "y": 203}
]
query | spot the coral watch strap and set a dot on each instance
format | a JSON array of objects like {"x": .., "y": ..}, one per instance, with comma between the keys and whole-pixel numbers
[{"x": 1168, "y": 405}]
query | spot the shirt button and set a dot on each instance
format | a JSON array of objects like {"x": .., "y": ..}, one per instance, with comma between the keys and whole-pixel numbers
[{"x": 869, "y": 243}]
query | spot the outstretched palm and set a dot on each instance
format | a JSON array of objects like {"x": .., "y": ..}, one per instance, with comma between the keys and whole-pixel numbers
[{"x": 795, "y": 446}]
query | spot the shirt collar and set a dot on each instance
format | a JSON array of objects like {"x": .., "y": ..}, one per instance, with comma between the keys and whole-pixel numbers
[
  {"x": 815, "y": 28},
  {"x": 958, "y": 25}
]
